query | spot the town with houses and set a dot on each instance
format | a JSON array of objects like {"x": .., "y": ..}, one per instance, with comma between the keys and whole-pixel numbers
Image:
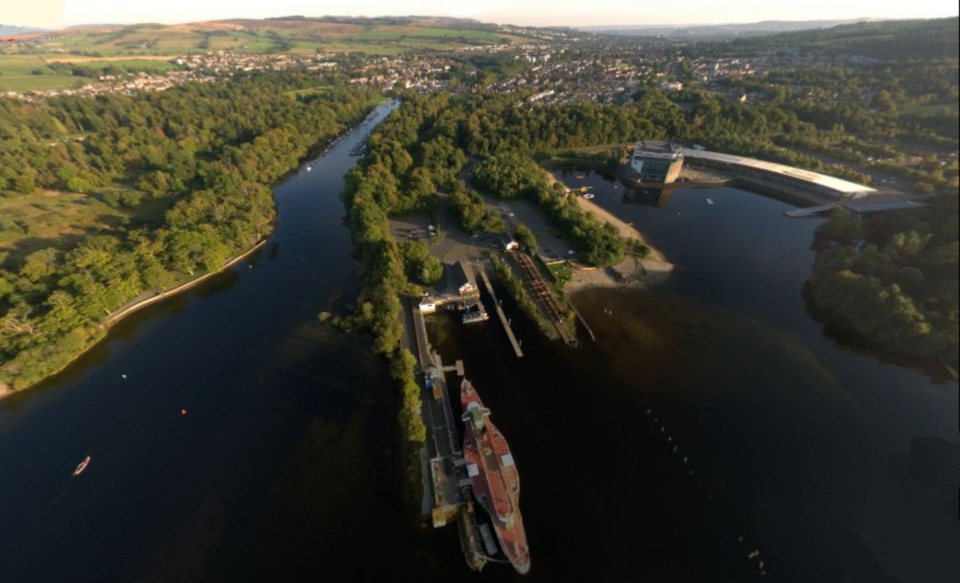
[{"x": 557, "y": 66}]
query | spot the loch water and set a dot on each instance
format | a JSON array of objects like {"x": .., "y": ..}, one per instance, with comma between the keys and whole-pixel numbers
[{"x": 287, "y": 465}]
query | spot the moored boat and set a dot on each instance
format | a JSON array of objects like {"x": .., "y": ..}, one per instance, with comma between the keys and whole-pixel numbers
[
  {"x": 471, "y": 317},
  {"x": 494, "y": 477}
]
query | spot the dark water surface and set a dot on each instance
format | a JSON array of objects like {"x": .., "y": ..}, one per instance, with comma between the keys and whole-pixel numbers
[
  {"x": 287, "y": 465},
  {"x": 792, "y": 442}
]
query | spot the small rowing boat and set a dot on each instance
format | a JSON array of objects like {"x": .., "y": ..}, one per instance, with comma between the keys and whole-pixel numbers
[{"x": 82, "y": 466}]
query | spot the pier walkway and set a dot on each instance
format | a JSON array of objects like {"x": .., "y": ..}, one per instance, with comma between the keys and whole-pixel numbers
[
  {"x": 503, "y": 317},
  {"x": 444, "y": 440},
  {"x": 861, "y": 207},
  {"x": 810, "y": 211},
  {"x": 446, "y": 471}
]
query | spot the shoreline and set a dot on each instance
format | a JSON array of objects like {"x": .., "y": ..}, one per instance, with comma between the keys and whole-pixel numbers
[
  {"x": 631, "y": 272},
  {"x": 125, "y": 311},
  {"x": 136, "y": 304},
  {"x": 652, "y": 270},
  {"x": 161, "y": 295}
]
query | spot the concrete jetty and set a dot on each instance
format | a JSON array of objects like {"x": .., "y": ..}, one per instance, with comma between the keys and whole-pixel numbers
[{"x": 503, "y": 317}]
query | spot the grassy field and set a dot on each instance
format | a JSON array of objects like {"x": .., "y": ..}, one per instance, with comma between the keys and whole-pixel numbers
[
  {"x": 310, "y": 91},
  {"x": 61, "y": 219},
  {"x": 259, "y": 36},
  {"x": 135, "y": 64},
  {"x": 562, "y": 272},
  {"x": 148, "y": 46},
  {"x": 375, "y": 99},
  {"x": 934, "y": 109},
  {"x": 387, "y": 50},
  {"x": 244, "y": 42},
  {"x": 34, "y": 82},
  {"x": 20, "y": 65},
  {"x": 78, "y": 60},
  {"x": 17, "y": 72}
]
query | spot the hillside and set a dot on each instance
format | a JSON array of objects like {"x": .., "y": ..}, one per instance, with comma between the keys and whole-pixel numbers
[
  {"x": 10, "y": 30},
  {"x": 27, "y": 65},
  {"x": 895, "y": 40},
  {"x": 293, "y": 34},
  {"x": 719, "y": 31}
]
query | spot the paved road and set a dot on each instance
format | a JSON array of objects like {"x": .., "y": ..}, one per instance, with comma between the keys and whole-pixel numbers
[{"x": 551, "y": 244}]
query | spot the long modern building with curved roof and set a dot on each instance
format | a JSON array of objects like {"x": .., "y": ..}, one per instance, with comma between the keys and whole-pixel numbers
[{"x": 776, "y": 176}]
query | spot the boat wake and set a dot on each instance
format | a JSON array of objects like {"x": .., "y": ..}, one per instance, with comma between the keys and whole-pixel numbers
[{"x": 59, "y": 496}]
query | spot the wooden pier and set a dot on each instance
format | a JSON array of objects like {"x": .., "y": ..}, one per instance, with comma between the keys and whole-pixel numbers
[
  {"x": 446, "y": 471},
  {"x": 861, "y": 207},
  {"x": 810, "y": 211},
  {"x": 503, "y": 317}
]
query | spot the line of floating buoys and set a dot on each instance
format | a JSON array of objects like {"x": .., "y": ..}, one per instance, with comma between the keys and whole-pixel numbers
[
  {"x": 761, "y": 564},
  {"x": 710, "y": 496},
  {"x": 663, "y": 429}
]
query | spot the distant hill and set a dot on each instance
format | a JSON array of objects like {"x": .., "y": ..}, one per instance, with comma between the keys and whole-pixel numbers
[
  {"x": 718, "y": 31},
  {"x": 10, "y": 30},
  {"x": 887, "y": 40},
  {"x": 383, "y": 35}
]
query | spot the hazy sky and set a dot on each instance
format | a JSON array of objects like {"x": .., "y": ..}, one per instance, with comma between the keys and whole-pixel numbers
[{"x": 55, "y": 13}]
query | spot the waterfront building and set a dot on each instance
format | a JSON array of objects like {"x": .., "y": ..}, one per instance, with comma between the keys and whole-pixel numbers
[
  {"x": 428, "y": 305},
  {"x": 656, "y": 161},
  {"x": 778, "y": 177}
]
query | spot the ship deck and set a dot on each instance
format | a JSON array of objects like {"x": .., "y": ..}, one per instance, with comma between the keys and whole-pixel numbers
[{"x": 496, "y": 481}]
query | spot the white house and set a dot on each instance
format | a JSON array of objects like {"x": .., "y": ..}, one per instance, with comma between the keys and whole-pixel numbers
[{"x": 428, "y": 305}]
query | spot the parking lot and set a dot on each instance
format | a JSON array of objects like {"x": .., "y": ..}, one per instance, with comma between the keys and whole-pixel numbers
[
  {"x": 455, "y": 244},
  {"x": 551, "y": 244}
]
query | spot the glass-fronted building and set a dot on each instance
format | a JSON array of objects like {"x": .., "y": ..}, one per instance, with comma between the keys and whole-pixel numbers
[{"x": 656, "y": 162}]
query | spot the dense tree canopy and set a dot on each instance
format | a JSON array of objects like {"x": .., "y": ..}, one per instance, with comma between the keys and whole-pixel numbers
[
  {"x": 893, "y": 278},
  {"x": 205, "y": 152}
]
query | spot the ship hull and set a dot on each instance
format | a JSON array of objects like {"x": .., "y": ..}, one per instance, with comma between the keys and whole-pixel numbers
[{"x": 494, "y": 477}]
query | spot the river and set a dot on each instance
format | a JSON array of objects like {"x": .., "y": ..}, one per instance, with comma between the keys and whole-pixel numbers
[{"x": 233, "y": 438}]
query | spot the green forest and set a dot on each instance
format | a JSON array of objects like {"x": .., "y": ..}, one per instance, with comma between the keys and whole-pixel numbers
[
  {"x": 108, "y": 199},
  {"x": 436, "y": 142},
  {"x": 893, "y": 279},
  {"x": 185, "y": 175},
  {"x": 882, "y": 95}
]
